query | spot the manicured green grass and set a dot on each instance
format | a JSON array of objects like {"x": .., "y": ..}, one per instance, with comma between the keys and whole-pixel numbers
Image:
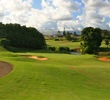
[
  {"x": 62, "y": 77},
  {"x": 64, "y": 43}
]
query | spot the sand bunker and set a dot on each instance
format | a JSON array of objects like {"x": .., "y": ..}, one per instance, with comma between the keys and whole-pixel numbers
[
  {"x": 5, "y": 68},
  {"x": 104, "y": 59},
  {"x": 36, "y": 57}
]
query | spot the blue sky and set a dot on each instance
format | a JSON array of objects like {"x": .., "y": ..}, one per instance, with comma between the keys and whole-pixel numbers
[
  {"x": 49, "y": 16},
  {"x": 37, "y": 4}
]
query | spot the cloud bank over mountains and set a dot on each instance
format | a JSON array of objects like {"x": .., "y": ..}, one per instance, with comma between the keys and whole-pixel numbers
[{"x": 74, "y": 15}]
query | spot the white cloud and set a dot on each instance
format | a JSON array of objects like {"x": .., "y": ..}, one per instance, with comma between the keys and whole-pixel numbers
[
  {"x": 56, "y": 11},
  {"x": 96, "y": 12},
  {"x": 53, "y": 11},
  {"x": 72, "y": 25},
  {"x": 60, "y": 9},
  {"x": 57, "y": 14},
  {"x": 16, "y": 11}
]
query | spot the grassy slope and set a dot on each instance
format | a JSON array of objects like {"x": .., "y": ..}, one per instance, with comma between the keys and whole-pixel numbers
[{"x": 62, "y": 77}]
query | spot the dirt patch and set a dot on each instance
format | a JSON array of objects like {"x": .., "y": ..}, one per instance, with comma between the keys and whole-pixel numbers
[
  {"x": 104, "y": 59},
  {"x": 5, "y": 68},
  {"x": 35, "y": 57}
]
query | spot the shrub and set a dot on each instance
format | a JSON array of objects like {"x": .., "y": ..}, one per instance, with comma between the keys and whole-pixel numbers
[
  {"x": 67, "y": 49},
  {"x": 74, "y": 40},
  {"x": 64, "y": 49},
  {"x": 75, "y": 50},
  {"x": 5, "y": 42},
  {"x": 56, "y": 39},
  {"x": 103, "y": 53},
  {"x": 51, "y": 48}
]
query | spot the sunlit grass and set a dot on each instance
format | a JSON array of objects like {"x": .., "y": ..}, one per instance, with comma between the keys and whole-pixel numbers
[{"x": 64, "y": 43}]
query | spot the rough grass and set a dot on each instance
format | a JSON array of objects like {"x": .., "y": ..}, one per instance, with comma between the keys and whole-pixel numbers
[{"x": 62, "y": 77}]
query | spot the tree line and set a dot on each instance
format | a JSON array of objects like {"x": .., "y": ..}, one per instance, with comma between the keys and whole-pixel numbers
[
  {"x": 68, "y": 35},
  {"x": 21, "y": 36}
]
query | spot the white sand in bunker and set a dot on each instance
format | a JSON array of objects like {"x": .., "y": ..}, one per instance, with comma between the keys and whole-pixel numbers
[
  {"x": 5, "y": 68},
  {"x": 37, "y": 58}
]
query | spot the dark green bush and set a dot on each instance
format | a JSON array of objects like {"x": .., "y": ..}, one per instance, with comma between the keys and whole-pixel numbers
[
  {"x": 5, "y": 42},
  {"x": 56, "y": 39},
  {"x": 64, "y": 49},
  {"x": 51, "y": 48},
  {"x": 74, "y": 40}
]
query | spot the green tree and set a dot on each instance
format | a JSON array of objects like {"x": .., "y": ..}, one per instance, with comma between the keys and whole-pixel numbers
[
  {"x": 23, "y": 37},
  {"x": 64, "y": 33},
  {"x": 75, "y": 34},
  {"x": 2, "y": 33},
  {"x": 107, "y": 42},
  {"x": 106, "y": 37},
  {"x": 59, "y": 34},
  {"x": 105, "y": 33},
  {"x": 91, "y": 40},
  {"x": 68, "y": 36}
]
